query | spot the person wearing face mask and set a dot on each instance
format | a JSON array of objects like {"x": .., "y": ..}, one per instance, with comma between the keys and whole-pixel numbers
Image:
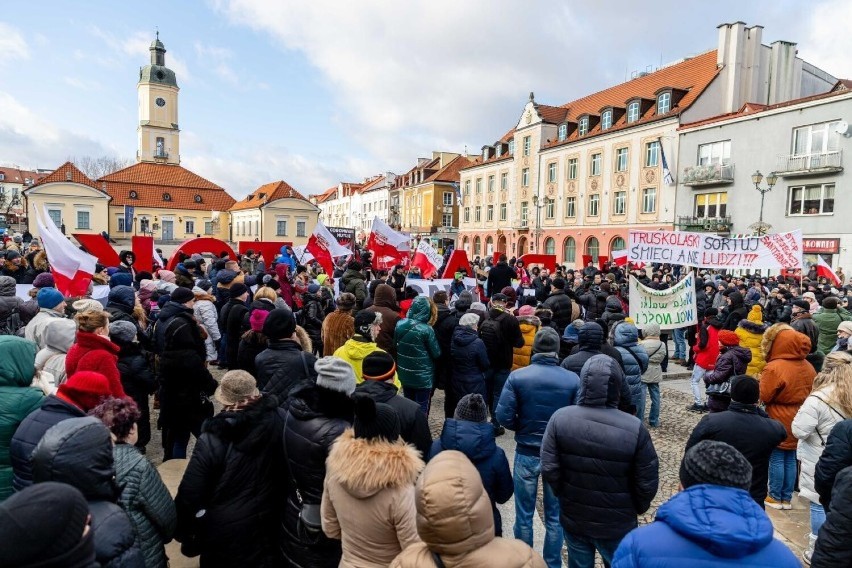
[{"x": 93, "y": 350}]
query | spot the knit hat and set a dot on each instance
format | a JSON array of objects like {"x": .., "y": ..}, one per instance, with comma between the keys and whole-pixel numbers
[
  {"x": 745, "y": 389},
  {"x": 469, "y": 320},
  {"x": 257, "y": 319},
  {"x": 46, "y": 521},
  {"x": 225, "y": 276},
  {"x": 85, "y": 304},
  {"x": 546, "y": 341},
  {"x": 715, "y": 463},
  {"x": 280, "y": 324},
  {"x": 313, "y": 288},
  {"x": 809, "y": 296},
  {"x": 364, "y": 320},
  {"x": 12, "y": 255},
  {"x": 651, "y": 330},
  {"x": 728, "y": 337},
  {"x": 235, "y": 386},
  {"x": 510, "y": 293},
  {"x": 526, "y": 311},
  {"x": 122, "y": 331},
  {"x": 49, "y": 298},
  {"x": 204, "y": 284},
  {"x": 333, "y": 373},
  {"x": 346, "y": 301},
  {"x": 830, "y": 303},
  {"x": 755, "y": 314},
  {"x": 803, "y": 305},
  {"x": 182, "y": 295},
  {"x": 237, "y": 289},
  {"x": 378, "y": 366},
  {"x": 111, "y": 271},
  {"x": 711, "y": 313},
  {"x": 122, "y": 295},
  {"x": 499, "y": 298},
  {"x": 120, "y": 279},
  {"x": 375, "y": 420},
  {"x": 44, "y": 280},
  {"x": 85, "y": 389},
  {"x": 472, "y": 408}
]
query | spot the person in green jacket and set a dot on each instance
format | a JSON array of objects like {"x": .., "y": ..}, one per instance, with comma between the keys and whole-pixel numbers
[
  {"x": 827, "y": 321},
  {"x": 417, "y": 350},
  {"x": 17, "y": 397}
]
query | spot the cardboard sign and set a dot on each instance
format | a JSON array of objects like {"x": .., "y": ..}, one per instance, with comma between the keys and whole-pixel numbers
[
  {"x": 776, "y": 251},
  {"x": 670, "y": 309}
]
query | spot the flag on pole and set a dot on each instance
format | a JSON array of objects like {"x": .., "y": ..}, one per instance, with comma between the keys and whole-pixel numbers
[
  {"x": 457, "y": 187},
  {"x": 427, "y": 259},
  {"x": 72, "y": 268},
  {"x": 668, "y": 178},
  {"x": 824, "y": 270},
  {"x": 619, "y": 257},
  {"x": 389, "y": 247},
  {"x": 324, "y": 247}
]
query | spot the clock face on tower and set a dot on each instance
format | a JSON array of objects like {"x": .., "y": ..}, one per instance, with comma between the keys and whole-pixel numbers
[{"x": 161, "y": 102}]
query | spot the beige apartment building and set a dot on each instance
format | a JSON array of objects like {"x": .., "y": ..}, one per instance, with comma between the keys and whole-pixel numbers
[{"x": 273, "y": 212}]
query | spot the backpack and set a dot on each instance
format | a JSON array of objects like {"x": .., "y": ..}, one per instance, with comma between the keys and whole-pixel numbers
[{"x": 12, "y": 325}]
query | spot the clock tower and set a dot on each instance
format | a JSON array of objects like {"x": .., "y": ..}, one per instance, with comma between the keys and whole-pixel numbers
[{"x": 159, "y": 136}]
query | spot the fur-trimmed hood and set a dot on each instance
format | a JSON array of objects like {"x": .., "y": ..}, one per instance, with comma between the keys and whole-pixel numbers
[
  {"x": 365, "y": 467},
  {"x": 752, "y": 327},
  {"x": 530, "y": 320},
  {"x": 793, "y": 345}
]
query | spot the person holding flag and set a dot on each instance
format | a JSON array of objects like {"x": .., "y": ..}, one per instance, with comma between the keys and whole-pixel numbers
[
  {"x": 388, "y": 247},
  {"x": 323, "y": 247},
  {"x": 824, "y": 270}
]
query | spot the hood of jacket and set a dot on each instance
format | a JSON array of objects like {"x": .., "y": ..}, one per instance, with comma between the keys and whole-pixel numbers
[
  {"x": 172, "y": 309},
  {"x": 590, "y": 336},
  {"x": 453, "y": 510},
  {"x": 464, "y": 336},
  {"x": 736, "y": 300},
  {"x": 753, "y": 327},
  {"x": 7, "y": 286},
  {"x": 249, "y": 429},
  {"x": 625, "y": 335},
  {"x": 365, "y": 467},
  {"x": 59, "y": 335},
  {"x": 781, "y": 341},
  {"x": 724, "y": 521},
  {"x": 356, "y": 349},
  {"x": 17, "y": 365},
  {"x": 77, "y": 451},
  {"x": 743, "y": 354},
  {"x": 613, "y": 305},
  {"x": 600, "y": 382},
  {"x": 420, "y": 310},
  {"x": 308, "y": 401},
  {"x": 385, "y": 297},
  {"x": 473, "y": 439},
  {"x": 123, "y": 297},
  {"x": 527, "y": 322}
]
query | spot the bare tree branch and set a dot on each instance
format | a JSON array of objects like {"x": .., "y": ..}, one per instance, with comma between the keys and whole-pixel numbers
[{"x": 98, "y": 167}]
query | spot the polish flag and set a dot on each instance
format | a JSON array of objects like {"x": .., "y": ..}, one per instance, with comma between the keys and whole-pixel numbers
[
  {"x": 824, "y": 270},
  {"x": 427, "y": 259},
  {"x": 324, "y": 247},
  {"x": 389, "y": 247},
  {"x": 72, "y": 268},
  {"x": 619, "y": 257}
]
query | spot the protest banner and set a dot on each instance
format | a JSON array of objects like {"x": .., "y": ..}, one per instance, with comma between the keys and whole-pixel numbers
[
  {"x": 776, "y": 251},
  {"x": 670, "y": 309},
  {"x": 345, "y": 236}
]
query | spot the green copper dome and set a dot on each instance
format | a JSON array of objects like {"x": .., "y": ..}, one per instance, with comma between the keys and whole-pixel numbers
[{"x": 157, "y": 74}]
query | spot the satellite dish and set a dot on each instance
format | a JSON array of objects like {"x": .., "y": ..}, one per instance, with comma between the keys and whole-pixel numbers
[{"x": 843, "y": 129}]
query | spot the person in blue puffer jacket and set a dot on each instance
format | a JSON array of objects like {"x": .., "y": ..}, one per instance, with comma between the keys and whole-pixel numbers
[
  {"x": 625, "y": 338},
  {"x": 469, "y": 358},
  {"x": 470, "y": 433},
  {"x": 713, "y": 522},
  {"x": 287, "y": 257}
]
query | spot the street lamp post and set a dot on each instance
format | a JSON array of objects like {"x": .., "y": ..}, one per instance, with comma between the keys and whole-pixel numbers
[
  {"x": 538, "y": 207},
  {"x": 771, "y": 179}
]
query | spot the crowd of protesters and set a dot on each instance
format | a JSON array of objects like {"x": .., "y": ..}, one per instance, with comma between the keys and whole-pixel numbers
[{"x": 321, "y": 454}]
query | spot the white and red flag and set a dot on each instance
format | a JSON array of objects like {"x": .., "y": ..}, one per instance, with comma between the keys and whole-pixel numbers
[
  {"x": 324, "y": 247},
  {"x": 72, "y": 268},
  {"x": 389, "y": 247},
  {"x": 427, "y": 259},
  {"x": 619, "y": 257},
  {"x": 825, "y": 271}
]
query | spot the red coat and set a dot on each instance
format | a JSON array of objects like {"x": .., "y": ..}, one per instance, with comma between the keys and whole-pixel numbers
[
  {"x": 92, "y": 352},
  {"x": 706, "y": 357}
]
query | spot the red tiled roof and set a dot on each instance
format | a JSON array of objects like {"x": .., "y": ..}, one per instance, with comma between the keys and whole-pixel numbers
[
  {"x": 17, "y": 175},
  {"x": 551, "y": 114},
  {"x": 266, "y": 194},
  {"x": 152, "y": 182},
  {"x": 450, "y": 172},
  {"x": 60, "y": 174},
  {"x": 329, "y": 193}
]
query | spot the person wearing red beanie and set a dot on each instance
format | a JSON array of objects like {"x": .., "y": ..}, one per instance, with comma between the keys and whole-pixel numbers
[
  {"x": 85, "y": 389},
  {"x": 733, "y": 360}
]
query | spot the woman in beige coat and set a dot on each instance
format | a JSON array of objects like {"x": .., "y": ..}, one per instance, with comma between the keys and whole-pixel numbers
[
  {"x": 455, "y": 522},
  {"x": 368, "y": 495}
]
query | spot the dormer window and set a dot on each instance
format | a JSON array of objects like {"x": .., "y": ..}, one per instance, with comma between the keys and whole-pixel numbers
[
  {"x": 583, "y": 126},
  {"x": 485, "y": 153},
  {"x": 664, "y": 102},
  {"x": 563, "y": 132},
  {"x": 512, "y": 147},
  {"x": 606, "y": 119},
  {"x": 167, "y": 197},
  {"x": 633, "y": 111}
]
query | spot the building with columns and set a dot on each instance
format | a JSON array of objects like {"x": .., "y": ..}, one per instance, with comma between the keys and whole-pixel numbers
[{"x": 574, "y": 179}]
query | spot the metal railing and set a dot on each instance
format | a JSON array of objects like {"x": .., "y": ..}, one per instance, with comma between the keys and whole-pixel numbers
[
  {"x": 702, "y": 224},
  {"x": 708, "y": 174},
  {"x": 808, "y": 162}
]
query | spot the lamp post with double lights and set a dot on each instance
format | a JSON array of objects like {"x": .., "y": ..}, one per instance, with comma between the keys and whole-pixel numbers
[
  {"x": 537, "y": 233},
  {"x": 771, "y": 180}
]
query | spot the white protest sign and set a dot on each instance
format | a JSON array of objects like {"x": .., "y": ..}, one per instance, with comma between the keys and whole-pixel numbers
[
  {"x": 429, "y": 287},
  {"x": 776, "y": 251},
  {"x": 99, "y": 292},
  {"x": 670, "y": 309}
]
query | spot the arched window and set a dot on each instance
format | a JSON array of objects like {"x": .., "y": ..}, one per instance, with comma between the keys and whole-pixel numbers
[
  {"x": 465, "y": 244},
  {"x": 489, "y": 246},
  {"x": 569, "y": 250},
  {"x": 549, "y": 246},
  {"x": 617, "y": 244},
  {"x": 477, "y": 246},
  {"x": 593, "y": 249}
]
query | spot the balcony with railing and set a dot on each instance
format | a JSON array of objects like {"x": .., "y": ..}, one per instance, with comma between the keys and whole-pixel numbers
[
  {"x": 704, "y": 224},
  {"x": 809, "y": 164},
  {"x": 710, "y": 174},
  {"x": 521, "y": 224}
]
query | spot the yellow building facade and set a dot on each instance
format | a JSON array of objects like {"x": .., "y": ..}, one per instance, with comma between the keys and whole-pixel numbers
[{"x": 274, "y": 212}]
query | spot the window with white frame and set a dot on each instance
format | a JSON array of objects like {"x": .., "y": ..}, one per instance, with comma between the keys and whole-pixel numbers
[
  {"x": 467, "y": 214},
  {"x": 652, "y": 154},
  {"x": 490, "y": 184},
  {"x": 189, "y": 226},
  {"x": 715, "y": 153},
  {"x": 524, "y": 213},
  {"x": 84, "y": 220},
  {"x": 551, "y": 172},
  {"x": 573, "y": 165},
  {"x": 583, "y": 126},
  {"x": 569, "y": 249},
  {"x": 525, "y": 177},
  {"x": 664, "y": 102},
  {"x": 504, "y": 211},
  {"x": 633, "y": 111},
  {"x": 121, "y": 228},
  {"x": 477, "y": 214},
  {"x": 815, "y": 199},
  {"x": 208, "y": 227},
  {"x": 711, "y": 205},
  {"x": 512, "y": 147},
  {"x": 485, "y": 153},
  {"x": 649, "y": 200},
  {"x": 606, "y": 120},
  {"x": 504, "y": 181},
  {"x": 816, "y": 139},
  {"x": 621, "y": 160},
  {"x": 55, "y": 216},
  {"x": 447, "y": 220},
  {"x": 619, "y": 203},
  {"x": 478, "y": 186},
  {"x": 281, "y": 228},
  {"x": 596, "y": 164},
  {"x": 549, "y": 208},
  {"x": 549, "y": 246},
  {"x": 571, "y": 206},
  {"x": 489, "y": 213},
  {"x": 448, "y": 199},
  {"x": 594, "y": 205},
  {"x": 527, "y": 145},
  {"x": 563, "y": 132},
  {"x": 467, "y": 187}
]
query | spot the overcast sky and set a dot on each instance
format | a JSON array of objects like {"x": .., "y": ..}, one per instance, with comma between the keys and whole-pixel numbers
[{"x": 316, "y": 92}]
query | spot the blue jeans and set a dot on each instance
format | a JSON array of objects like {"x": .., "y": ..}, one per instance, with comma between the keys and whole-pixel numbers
[
  {"x": 817, "y": 517},
  {"x": 782, "y": 474},
  {"x": 423, "y": 397},
  {"x": 698, "y": 387},
  {"x": 680, "y": 343},
  {"x": 581, "y": 550},
  {"x": 654, "y": 415},
  {"x": 495, "y": 380},
  {"x": 527, "y": 470}
]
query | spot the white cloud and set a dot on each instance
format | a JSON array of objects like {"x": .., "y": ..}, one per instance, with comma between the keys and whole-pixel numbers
[
  {"x": 828, "y": 43},
  {"x": 136, "y": 47},
  {"x": 13, "y": 46}
]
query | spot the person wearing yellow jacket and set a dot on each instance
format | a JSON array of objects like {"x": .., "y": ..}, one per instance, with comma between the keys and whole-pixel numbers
[
  {"x": 530, "y": 325},
  {"x": 750, "y": 331},
  {"x": 356, "y": 348}
]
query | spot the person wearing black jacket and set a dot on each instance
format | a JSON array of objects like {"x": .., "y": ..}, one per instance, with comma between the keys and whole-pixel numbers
[
  {"x": 743, "y": 415},
  {"x": 284, "y": 364},
  {"x": 232, "y": 320},
  {"x": 137, "y": 378},
  {"x": 559, "y": 303},
  {"x": 500, "y": 276},
  {"x": 542, "y": 284},
  {"x": 594, "y": 302},
  {"x": 501, "y": 332},
  {"x": 313, "y": 315},
  {"x": 834, "y": 544},
  {"x": 736, "y": 311},
  {"x": 396, "y": 280},
  {"x": 836, "y": 456},
  {"x": 444, "y": 326},
  {"x": 120, "y": 305},
  {"x": 594, "y": 436}
]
